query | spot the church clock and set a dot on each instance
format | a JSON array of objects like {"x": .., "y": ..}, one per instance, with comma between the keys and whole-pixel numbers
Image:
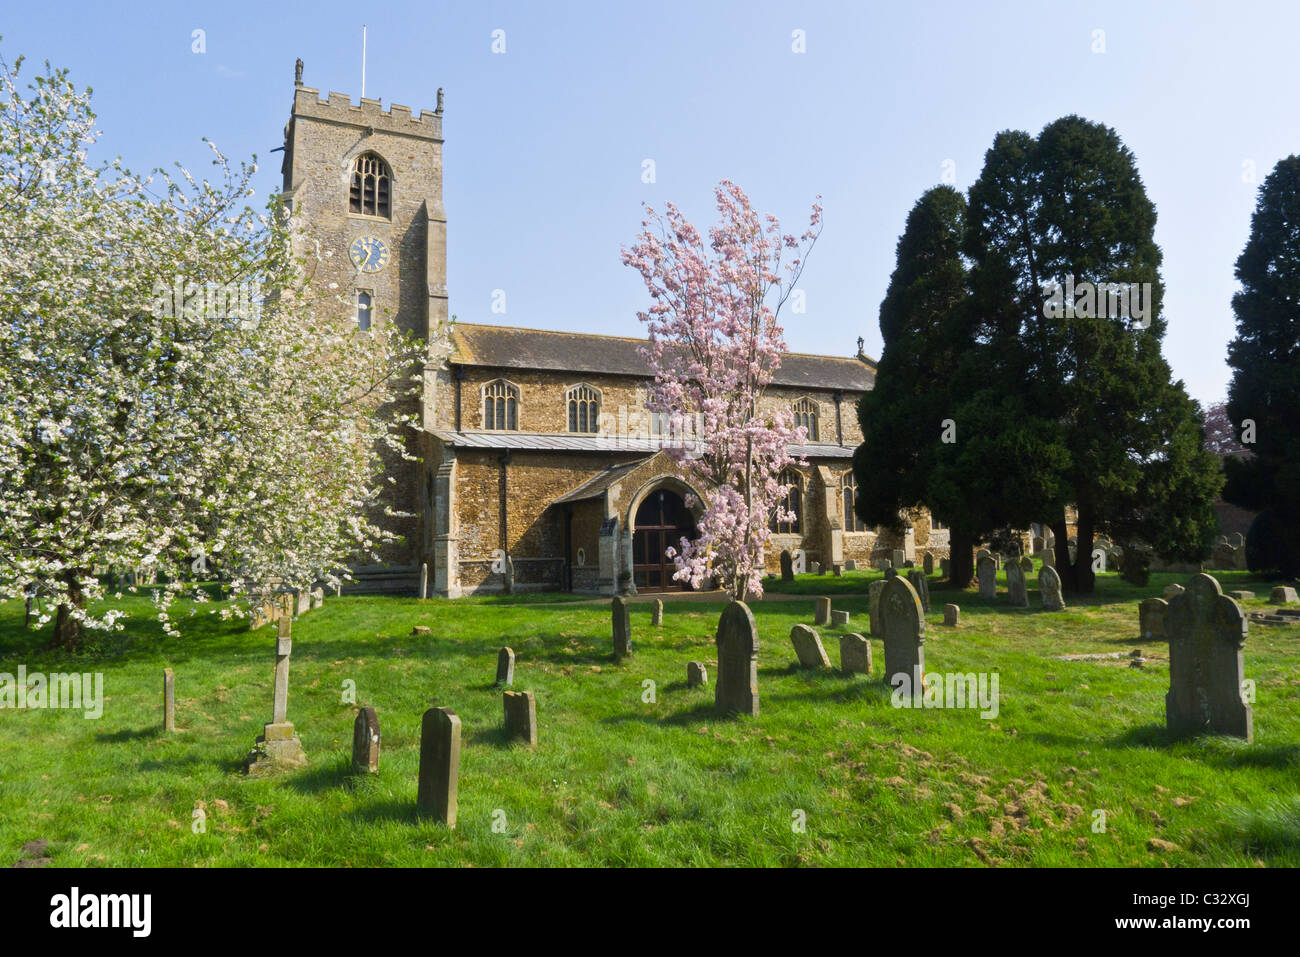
[{"x": 368, "y": 253}]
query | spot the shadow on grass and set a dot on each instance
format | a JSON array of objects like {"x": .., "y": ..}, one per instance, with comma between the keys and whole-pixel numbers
[{"x": 128, "y": 734}]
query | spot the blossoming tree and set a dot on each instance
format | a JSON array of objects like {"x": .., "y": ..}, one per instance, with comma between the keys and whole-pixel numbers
[
  {"x": 714, "y": 344},
  {"x": 178, "y": 395}
]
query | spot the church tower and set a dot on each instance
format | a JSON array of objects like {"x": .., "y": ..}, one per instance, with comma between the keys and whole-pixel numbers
[{"x": 366, "y": 183}]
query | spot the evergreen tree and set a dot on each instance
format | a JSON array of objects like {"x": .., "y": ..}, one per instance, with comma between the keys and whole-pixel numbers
[{"x": 1265, "y": 359}]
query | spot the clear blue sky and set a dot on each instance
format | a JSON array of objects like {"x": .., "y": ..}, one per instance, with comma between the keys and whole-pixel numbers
[{"x": 544, "y": 144}]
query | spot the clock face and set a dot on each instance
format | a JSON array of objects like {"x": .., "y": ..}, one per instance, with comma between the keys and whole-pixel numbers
[{"x": 368, "y": 253}]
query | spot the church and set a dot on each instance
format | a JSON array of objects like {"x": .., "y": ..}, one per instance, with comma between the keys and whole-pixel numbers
[{"x": 539, "y": 467}]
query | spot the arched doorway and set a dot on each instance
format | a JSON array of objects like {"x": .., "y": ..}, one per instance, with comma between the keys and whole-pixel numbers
[{"x": 662, "y": 520}]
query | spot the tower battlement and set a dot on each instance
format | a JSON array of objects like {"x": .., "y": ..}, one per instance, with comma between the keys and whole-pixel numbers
[{"x": 370, "y": 113}]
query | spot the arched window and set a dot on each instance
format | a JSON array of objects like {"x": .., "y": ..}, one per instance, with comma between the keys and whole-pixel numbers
[
  {"x": 584, "y": 408},
  {"x": 793, "y": 502},
  {"x": 368, "y": 193},
  {"x": 805, "y": 414},
  {"x": 500, "y": 405},
  {"x": 364, "y": 304},
  {"x": 851, "y": 521}
]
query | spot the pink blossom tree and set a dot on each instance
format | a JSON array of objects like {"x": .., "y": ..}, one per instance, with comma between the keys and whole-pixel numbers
[{"x": 714, "y": 345}]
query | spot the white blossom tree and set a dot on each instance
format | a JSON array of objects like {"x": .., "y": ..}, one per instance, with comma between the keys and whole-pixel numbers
[{"x": 176, "y": 389}]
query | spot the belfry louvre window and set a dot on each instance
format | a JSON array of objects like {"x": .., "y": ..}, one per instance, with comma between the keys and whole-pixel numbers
[
  {"x": 584, "y": 408},
  {"x": 500, "y": 405},
  {"x": 793, "y": 502},
  {"x": 805, "y": 414},
  {"x": 369, "y": 192}
]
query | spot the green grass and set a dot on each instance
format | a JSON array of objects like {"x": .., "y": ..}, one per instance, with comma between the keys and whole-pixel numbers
[{"x": 618, "y": 781}]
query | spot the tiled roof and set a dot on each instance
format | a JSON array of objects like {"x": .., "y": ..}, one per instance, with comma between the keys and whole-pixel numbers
[
  {"x": 572, "y": 442},
  {"x": 510, "y": 347}
]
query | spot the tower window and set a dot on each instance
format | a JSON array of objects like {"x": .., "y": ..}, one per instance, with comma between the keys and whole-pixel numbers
[
  {"x": 851, "y": 521},
  {"x": 805, "y": 414},
  {"x": 792, "y": 503},
  {"x": 584, "y": 408},
  {"x": 368, "y": 193},
  {"x": 364, "y": 303},
  {"x": 500, "y": 405}
]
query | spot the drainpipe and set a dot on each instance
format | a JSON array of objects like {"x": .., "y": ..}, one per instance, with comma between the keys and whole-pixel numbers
[
  {"x": 838, "y": 396},
  {"x": 458, "y": 374},
  {"x": 503, "y": 489}
]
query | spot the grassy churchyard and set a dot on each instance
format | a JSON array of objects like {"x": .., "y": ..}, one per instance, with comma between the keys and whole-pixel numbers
[{"x": 629, "y": 773}]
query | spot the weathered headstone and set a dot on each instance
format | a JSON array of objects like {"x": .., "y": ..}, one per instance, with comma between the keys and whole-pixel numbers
[
  {"x": 904, "y": 637},
  {"x": 823, "y": 616},
  {"x": 657, "y": 612},
  {"x": 787, "y": 566},
  {"x": 874, "y": 591},
  {"x": 815, "y": 567},
  {"x": 505, "y": 667},
  {"x": 1049, "y": 586},
  {"x": 951, "y": 615},
  {"x": 169, "y": 700},
  {"x": 278, "y": 747},
  {"x": 851, "y": 565},
  {"x": 1242, "y": 594},
  {"x": 837, "y": 570},
  {"x": 1171, "y": 591},
  {"x": 1017, "y": 591},
  {"x": 855, "y": 654},
  {"x": 808, "y": 646},
  {"x": 1151, "y": 618},
  {"x": 891, "y": 572},
  {"x": 1026, "y": 566},
  {"x": 945, "y": 568},
  {"x": 317, "y": 598},
  {"x": 737, "y": 640},
  {"x": 622, "y": 627},
  {"x": 1282, "y": 595},
  {"x": 697, "y": 676},
  {"x": 1039, "y": 543},
  {"x": 988, "y": 576},
  {"x": 927, "y": 563},
  {"x": 521, "y": 716},
  {"x": 921, "y": 585},
  {"x": 365, "y": 742},
  {"x": 1049, "y": 556},
  {"x": 839, "y": 619},
  {"x": 439, "y": 765},
  {"x": 1206, "y": 631}
]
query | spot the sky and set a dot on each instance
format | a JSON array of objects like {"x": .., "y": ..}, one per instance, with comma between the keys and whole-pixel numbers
[{"x": 546, "y": 142}]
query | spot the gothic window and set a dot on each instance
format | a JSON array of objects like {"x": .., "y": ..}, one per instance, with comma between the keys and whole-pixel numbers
[
  {"x": 793, "y": 502},
  {"x": 936, "y": 524},
  {"x": 584, "y": 408},
  {"x": 364, "y": 304},
  {"x": 369, "y": 190},
  {"x": 500, "y": 405},
  {"x": 851, "y": 521},
  {"x": 805, "y": 414}
]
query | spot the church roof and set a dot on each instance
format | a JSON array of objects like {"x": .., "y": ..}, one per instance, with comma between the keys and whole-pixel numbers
[
  {"x": 509, "y": 347},
  {"x": 587, "y": 442}
]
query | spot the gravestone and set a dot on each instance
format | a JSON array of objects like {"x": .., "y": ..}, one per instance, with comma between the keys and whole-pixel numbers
[
  {"x": 891, "y": 572},
  {"x": 1242, "y": 595},
  {"x": 1049, "y": 556},
  {"x": 1049, "y": 586},
  {"x": 1171, "y": 591},
  {"x": 622, "y": 628},
  {"x": 855, "y": 655},
  {"x": 697, "y": 676},
  {"x": 1282, "y": 595},
  {"x": 736, "y": 690},
  {"x": 278, "y": 747},
  {"x": 1151, "y": 618},
  {"x": 877, "y": 625},
  {"x": 302, "y": 601},
  {"x": 951, "y": 615},
  {"x": 787, "y": 566},
  {"x": 851, "y": 565},
  {"x": 897, "y": 557},
  {"x": 904, "y": 638},
  {"x": 808, "y": 646},
  {"x": 839, "y": 619},
  {"x": 1039, "y": 544},
  {"x": 927, "y": 563},
  {"x": 505, "y": 668},
  {"x": 424, "y": 580},
  {"x": 317, "y": 598},
  {"x": 921, "y": 585},
  {"x": 1206, "y": 631},
  {"x": 983, "y": 553},
  {"x": 1026, "y": 566},
  {"x": 365, "y": 742},
  {"x": 521, "y": 716},
  {"x": 837, "y": 570},
  {"x": 945, "y": 568},
  {"x": 815, "y": 567},
  {"x": 1017, "y": 592},
  {"x": 823, "y": 616},
  {"x": 657, "y": 612},
  {"x": 988, "y": 575},
  {"x": 439, "y": 765},
  {"x": 169, "y": 700}
]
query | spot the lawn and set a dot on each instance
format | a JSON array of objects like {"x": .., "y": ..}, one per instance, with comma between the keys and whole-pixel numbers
[{"x": 828, "y": 774}]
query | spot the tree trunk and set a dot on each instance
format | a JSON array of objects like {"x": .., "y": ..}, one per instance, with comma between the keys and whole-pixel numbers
[
  {"x": 68, "y": 631},
  {"x": 1087, "y": 580},
  {"x": 961, "y": 560}
]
